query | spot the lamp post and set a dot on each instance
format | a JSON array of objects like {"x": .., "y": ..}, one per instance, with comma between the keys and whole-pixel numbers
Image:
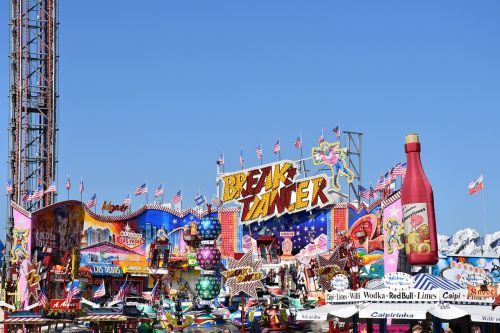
[{"x": 354, "y": 273}]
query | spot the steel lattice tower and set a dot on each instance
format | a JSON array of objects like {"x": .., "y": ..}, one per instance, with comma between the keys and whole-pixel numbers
[{"x": 33, "y": 94}]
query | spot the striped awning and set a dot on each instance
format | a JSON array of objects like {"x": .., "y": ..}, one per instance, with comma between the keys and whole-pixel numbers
[
  {"x": 426, "y": 281},
  {"x": 25, "y": 320},
  {"x": 103, "y": 318}
]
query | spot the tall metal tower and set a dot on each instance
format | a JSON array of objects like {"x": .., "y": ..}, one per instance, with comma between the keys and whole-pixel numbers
[
  {"x": 354, "y": 158},
  {"x": 33, "y": 94}
]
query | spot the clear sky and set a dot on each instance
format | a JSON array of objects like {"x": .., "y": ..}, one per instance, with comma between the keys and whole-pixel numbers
[{"x": 156, "y": 90}]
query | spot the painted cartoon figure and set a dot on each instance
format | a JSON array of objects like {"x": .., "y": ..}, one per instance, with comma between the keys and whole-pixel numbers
[
  {"x": 19, "y": 250},
  {"x": 332, "y": 155},
  {"x": 418, "y": 241},
  {"x": 394, "y": 231}
]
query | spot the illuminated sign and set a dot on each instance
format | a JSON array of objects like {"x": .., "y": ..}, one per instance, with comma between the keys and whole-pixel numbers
[
  {"x": 398, "y": 281},
  {"x": 134, "y": 267},
  {"x": 333, "y": 156},
  {"x": 62, "y": 305},
  {"x": 483, "y": 291},
  {"x": 108, "y": 206},
  {"x": 105, "y": 269},
  {"x": 272, "y": 190},
  {"x": 340, "y": 282},
  {"x": 130, "y": 238}
]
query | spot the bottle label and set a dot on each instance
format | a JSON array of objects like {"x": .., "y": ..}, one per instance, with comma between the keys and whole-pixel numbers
[{"x": 416, "y": 224}]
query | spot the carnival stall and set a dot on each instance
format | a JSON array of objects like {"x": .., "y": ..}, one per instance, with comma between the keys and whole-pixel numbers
[{"x": 281, "y": 249}]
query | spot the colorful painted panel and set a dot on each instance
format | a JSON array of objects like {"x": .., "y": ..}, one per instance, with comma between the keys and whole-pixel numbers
[
  {"x": 393, "y": 232},
  {"x": 299, "y": 235},
  {"x": 21, "y": 237},
  {"x": 456, "y": 268},
  {"x": 365, "y": 230},
  {"x": 56, "y": 230},
  {"x": 108, "y": 242}
]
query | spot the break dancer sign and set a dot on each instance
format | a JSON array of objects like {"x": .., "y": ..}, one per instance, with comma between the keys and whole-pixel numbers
[{"x": 272, "y": 190}]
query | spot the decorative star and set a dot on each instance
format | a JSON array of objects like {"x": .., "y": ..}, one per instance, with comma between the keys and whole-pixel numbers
[
  {"x": 191, "y": 217},
  {"x": 127, "y": 228},
  {"x": 322, "y": 219},
  {"x": 174, "y": 221},
  {"x": 306, "y": 228},
  {"x": 295, "y": 218},
  {"x": 488, "y": 266},
  {"x": 393, "y": 212},
  {"x": 329, "y": 267},
  {"x": 248, "y": 287}
]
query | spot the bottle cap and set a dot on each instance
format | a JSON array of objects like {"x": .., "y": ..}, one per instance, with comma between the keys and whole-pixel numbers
[{"x": 411, "y": 138}]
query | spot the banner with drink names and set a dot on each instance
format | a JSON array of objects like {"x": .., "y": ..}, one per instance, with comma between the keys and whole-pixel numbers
[
  {"x": 462, "y": 296},
  {"x": 409, "y": 295},
  {"x": 383, "y": 295}
]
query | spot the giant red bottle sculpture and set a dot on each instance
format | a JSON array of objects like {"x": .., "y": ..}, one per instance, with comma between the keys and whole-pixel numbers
[{"x": 417, "y": 200}]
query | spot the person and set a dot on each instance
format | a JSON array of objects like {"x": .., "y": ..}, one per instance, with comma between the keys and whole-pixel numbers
[
  {"x": 417, "y": 329},
  {"x": 475, "y": 329},
  {"x": 255, "y": 326},
  {"x": 169, "y": 328},
  {"x": 226, "y": 330}
]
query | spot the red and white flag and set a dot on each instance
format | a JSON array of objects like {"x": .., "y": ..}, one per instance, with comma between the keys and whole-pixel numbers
[{"x": 476, "y": 185}]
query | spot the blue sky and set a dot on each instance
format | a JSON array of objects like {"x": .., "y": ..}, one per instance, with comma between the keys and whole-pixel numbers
[{"x": 156, "y": 91}]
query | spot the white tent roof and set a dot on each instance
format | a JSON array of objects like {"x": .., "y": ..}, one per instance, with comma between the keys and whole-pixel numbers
[
  {"x": 446, "y": 311},
  {"x": 481, "y": 313},
  {"x": 395, "y": 310},
  {"x": 323, "y": 312}
]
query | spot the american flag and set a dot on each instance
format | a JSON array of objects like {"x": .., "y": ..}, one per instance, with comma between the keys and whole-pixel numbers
[
  {"x": 72, "y": 290},
  {"x": 364, "y": 192},
  {"x": 159, "y": 191},
  {"x": 258, "y": 151},
  {"x": 373, "y": 194},
  {"x": 127, "y": 200},
  {"x": 52, "y": 188},
  {"x": 82, "y": 188},
  {"x": 154, "y": 291},
  {"x": 388, "y": 178},
  {"x": 46, "y": 249},
  {"x": 177, "y": 198},
  {"x": 380, "y": 184},
  {"x": 220, "y": 160},
  {"x": 122, "y": 292},
  {"x": 217, "y": 202},
  {"x": 321, "y": 138},
  {"x": 141, "y": 189},
  {"x": 399, "y": 169},
  {"x": 276, "y": 147},
  {"x": 42, "y": 299},
  {"x": 199, "y": 199},
  {"x": 38, "y": 193},
  {"x": 92, "y": 201},
  {"x": 242, "y": 160},
  {"x": 101, "y": 291},
  {"x": 9, "y": 186},
  {"x": 68, "y": 183},
  {"x": 336, "y": 130},
  {"x": 27, "y": 196},
  {"x": 298, "y": 143}
]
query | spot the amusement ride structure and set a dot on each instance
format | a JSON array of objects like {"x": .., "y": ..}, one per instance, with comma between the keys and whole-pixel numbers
[{"x": 33, "y": 104}]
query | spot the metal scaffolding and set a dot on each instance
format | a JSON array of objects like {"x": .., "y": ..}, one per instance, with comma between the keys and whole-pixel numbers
[
  {"x": 33, "y": 95},
  {"x": 354, "y": 157}
]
